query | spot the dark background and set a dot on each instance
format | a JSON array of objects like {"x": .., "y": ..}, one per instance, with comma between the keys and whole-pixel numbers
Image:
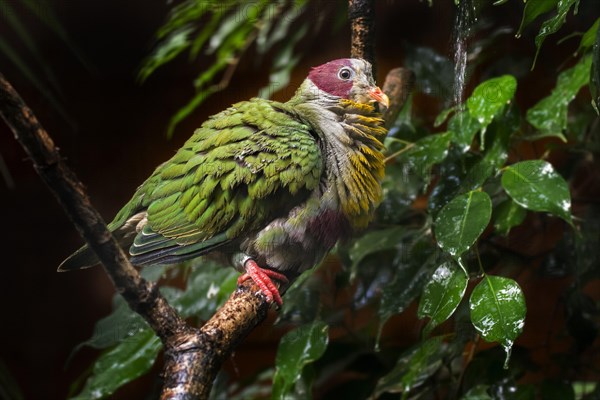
[{"x": 114, "y": 137}]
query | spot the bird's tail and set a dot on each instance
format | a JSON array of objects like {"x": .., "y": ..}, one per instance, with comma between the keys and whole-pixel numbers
[{"x": 82, "y": 258}]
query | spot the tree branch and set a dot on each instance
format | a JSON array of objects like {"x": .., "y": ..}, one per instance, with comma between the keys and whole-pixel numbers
[{"x": 361, "y": 14}]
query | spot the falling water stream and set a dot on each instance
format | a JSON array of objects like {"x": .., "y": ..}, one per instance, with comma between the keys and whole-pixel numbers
[{"x": 465, "y": 16}]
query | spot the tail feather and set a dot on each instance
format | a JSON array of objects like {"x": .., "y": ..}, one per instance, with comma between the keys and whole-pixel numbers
[{"x": 82, "y": 258}]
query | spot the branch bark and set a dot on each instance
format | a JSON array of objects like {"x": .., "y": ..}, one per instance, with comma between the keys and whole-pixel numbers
[{"x": 361, "y": 14}]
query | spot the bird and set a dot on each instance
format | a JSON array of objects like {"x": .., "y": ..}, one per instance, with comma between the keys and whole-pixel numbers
[{"x": 267, "y": 187}]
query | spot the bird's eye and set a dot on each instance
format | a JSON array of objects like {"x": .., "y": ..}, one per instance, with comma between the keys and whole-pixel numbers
[{"x": 345, "y": 74}]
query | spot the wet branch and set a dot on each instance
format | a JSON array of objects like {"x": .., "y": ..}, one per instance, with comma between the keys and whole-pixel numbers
[{"x": 361, "y": 14}]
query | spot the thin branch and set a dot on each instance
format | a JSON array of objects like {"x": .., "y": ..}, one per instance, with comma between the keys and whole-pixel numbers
[{"x": 361, "y": 14}]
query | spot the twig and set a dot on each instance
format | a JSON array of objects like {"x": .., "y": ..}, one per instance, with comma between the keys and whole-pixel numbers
[
  {"x": 361, "y": 15},
  {"x": 398, "y": 85}
]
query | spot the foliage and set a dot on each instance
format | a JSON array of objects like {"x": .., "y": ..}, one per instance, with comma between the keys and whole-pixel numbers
[
  {"x": 225, "y": 30},
  {"x": 456, "y": 189}
]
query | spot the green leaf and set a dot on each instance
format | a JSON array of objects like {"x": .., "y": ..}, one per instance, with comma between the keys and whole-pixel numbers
[
  {"x": 122, "y": 364},
  {"x": 498, "y": 311},
  {"x": 549, "y": 115},
  {"x": 413, "y": 368},
  {"x": 441, "y": 118},
  {"x": 595, "y": 73},
  {"x": 112, "y": 329},
  {"x": 589, "y": 37},
  {"x": 442, "y": 295},
  {"x": 460, "y": 222},
  {"x": 375, "y": 241},
  {"x": 536, "y": 186},
  {"x": 507, "y": 215},
  {"x": 479, "y": 392},
  {"x": 553, "y": 24},
  {"x": 489, "y": 98},
  {"x": 9, "y": 388},
  {"x": 414, "y": 263},
  {"x": 208, "y": 287},
  {"x": 463, "y": 127},
  {"x": 428, "y": 151},
  {"x": 297, "y": 348},
  {"x": 533, "y": 9},
  {"x": 170, "y": 48}
]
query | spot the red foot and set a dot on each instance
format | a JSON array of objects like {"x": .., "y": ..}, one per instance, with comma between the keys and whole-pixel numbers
[{"x": 262, "y": 277}]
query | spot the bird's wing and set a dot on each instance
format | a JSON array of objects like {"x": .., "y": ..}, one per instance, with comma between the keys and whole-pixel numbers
[{"x": 243, "y": 168}]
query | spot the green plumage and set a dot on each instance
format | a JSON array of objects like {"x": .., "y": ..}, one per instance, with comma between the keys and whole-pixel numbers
[{"x": 243, "y": 168}]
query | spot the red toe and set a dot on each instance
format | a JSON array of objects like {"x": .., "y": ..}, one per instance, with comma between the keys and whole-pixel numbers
[{"x": 262, "y": 277}]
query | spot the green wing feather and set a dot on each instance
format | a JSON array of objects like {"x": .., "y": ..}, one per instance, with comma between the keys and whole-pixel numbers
[{"x": 243, "y": 168}]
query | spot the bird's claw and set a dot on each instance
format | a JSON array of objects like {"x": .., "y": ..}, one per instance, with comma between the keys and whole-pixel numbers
[{"x": 262, "y": 277}]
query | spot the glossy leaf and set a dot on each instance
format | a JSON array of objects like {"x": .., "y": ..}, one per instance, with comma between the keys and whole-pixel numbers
[
  {"x": 489, "y": 98},
  {"x": 536, "y": 186},
  {"x": 549, "y": 115},
  {"x": 415, "y": 263},
  {"x": 532, "y": 10},
  {"x": 442, "y": 295},
  {"x": 595, "y": 73},
  {"x": 375, "y": 241},
  {"x": 460, "y": 222},
  {"x": 463, "y": 127},
  {"x": 427, "y": 152},
  {"x": 479, "y": 392},
  {"x": 498, "y": 310},
  {"x": 589, "y": 37},
  {"x": 553, "y": 24},
  {"x": 208, "y": 287},
  {"x": 122, "y": 364},
  {"x": 507, "y": 215},
  {"x": 443, "y": 116},
  {"x": 298, "y": 348},
  {"x": 413, "y": 368}
]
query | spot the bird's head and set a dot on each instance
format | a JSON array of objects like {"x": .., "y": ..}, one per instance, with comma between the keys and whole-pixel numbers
[{"x": 347, "y": 78}]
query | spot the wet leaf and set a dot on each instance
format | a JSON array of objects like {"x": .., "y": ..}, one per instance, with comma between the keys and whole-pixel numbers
[
  {"x": 536, "y": 186},
  {"x": 549, "y": 115},
  {"x": 463, "y": 127},
  {"x": 589, "y": 37},
  {"x": 498, "y": 310},
  {"x": 460, "y": 222},
  {"x": 414, "y": 264},
  {"x": 298, "y": 348},
  {"x": 479, "y": 392},
  {"x": 375, "y": 241},
  {"x": 595, "y": 73},
  {"x": 208, "y": 287},
  {"x": 532, "y": 10},
  {"x": 489, "y": 98},
  {"x": 427, "y": 152},
  {"x": 413, "y": 368},
  {"x": 507, "y": 215},
  {"x": 122, "y": 364},
  {"x": 434, "y": 72},
  {"x": 442, "y": 295},
  {"x": 443, "y": 116},
  {"x": 553, "y": 24}
]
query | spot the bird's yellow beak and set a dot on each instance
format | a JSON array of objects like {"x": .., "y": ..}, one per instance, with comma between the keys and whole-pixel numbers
[{"x": 377, "y": 95}]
